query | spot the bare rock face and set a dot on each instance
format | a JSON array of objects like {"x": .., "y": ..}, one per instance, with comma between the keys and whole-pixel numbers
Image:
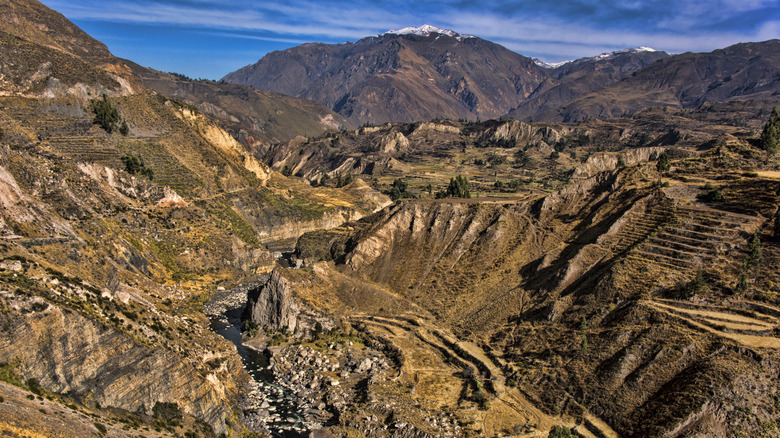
[
  {"x": 274, "y": 305},
  {"x": 607, "y": 162},
  {"x": 69, "y": 353}
]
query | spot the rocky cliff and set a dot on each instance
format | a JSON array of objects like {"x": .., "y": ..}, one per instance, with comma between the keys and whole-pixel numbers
[{"x": 276, "y": 306}]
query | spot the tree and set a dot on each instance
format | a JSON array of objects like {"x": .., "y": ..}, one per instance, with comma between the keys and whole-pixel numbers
[
  {"x": 584, "y": 336},
  {"x": 399, "y": 190},
  {"x": 770, "y": 137},
  {"x": 696, "y": 286},
  {"x": 742, "y": 283},
  {"x": 459, "y": 187},
  {"x": 106, "y": 114},
  {"x": 754, "y": 255},
  {"x": 123, "y": 128},
  {"x": 621, "y": 161},
  {"x": 663, "y": 164}
]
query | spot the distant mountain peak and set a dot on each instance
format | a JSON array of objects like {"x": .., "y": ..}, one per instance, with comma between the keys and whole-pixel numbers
[
  {"x": 550, "y": 65},
  {"x": 605, "y": 55},
  {"x": 426, "y": 30}
]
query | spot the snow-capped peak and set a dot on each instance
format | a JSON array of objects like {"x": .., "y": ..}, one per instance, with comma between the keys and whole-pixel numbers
[
  {"x": 605, "y": 55},
  {"x": 550, "y": 65},
  {"x": 426, "y": 30}
]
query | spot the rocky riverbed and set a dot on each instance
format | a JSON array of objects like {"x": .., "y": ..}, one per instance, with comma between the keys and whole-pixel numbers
[
  {"x": 310, "y": 387},
  {"x": 295, "y": 389},
  {"x": 304, "y": 386}
]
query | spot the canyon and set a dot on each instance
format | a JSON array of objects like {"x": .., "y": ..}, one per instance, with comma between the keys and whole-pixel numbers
[{"x": 184, "y": 257}]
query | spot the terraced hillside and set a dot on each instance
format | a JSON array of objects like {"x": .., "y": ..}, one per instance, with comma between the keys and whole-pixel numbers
[
  {"x": 506, "y": 157},
  {"x": 114, "y": 261},
  {"x": 111, "y": 241},
  {"x": 449, "y": 374},
  {"x": 607, "y": 304}
]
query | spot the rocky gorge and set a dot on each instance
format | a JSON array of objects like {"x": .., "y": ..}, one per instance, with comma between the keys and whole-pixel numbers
[{"x": 227, "y": 262}]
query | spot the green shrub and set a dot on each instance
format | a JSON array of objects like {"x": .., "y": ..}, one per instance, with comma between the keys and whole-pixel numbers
[
  {"x": 106, "y": 114},
  {"x": 166, "y": 411},
  {"x": 101, "y": 428},
  {"x": 123, "y": 128},
  {"x": 135, "y": 165},
  {"x": 479, "y": 395},
  {"x": 251, "y": 328},
  {"x": 713, "y": 194},
  {"x": 495, "y": 159},
  {"x": 34, "y": 386},
  {"x": 343, "y": 181},
  {"x": 558, "y": 431}
]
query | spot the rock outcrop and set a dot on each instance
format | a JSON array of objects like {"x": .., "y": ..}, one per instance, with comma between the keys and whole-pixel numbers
[{"x": 274, "y": 305}]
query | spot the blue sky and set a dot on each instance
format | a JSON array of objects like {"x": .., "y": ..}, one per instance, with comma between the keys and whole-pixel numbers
[{"x": 210, "y": 38}]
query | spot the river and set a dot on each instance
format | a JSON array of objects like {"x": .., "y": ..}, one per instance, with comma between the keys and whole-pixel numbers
[{"x": 267, "y": 406}]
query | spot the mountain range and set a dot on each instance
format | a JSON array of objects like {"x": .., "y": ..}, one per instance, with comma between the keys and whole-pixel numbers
[{"x": 422, "y": 73}]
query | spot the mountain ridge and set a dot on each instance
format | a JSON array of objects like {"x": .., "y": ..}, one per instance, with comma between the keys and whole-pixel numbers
[
  {"x": 425, "y": 72},
  {"x": 404, "y": 77},
  {"x": 739, "y": 72}
]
